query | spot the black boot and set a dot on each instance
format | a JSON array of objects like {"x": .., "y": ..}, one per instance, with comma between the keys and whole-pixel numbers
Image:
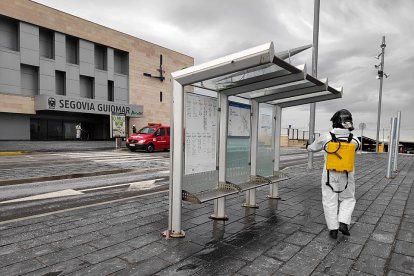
[
  {"x": 344, "y": 229},
  {"x": 333, "y": 234}
]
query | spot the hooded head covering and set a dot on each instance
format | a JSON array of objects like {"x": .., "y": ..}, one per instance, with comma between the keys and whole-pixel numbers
[{"x": 342, "y": 119}]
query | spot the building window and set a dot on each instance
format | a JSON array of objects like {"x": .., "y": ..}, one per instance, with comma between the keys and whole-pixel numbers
[
  {"x": 9, "y": 30},
  {"x": 160, "y": 96},
  {"x": 72, "y": 50},
  {"x": 29, "y": 77},
  {"x": 111, "y": 95},
  {"x": 46, "y": 43},
  {"x": 86, "y": 87},
  {"x": 100, "y": 57},
  {"x": 121, "y": 62},
  {"x": 60, "y": 81}
]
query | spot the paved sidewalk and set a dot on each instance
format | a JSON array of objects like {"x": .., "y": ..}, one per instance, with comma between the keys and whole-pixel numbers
[
  {"x": 282, "y": 237},
  {"x": 59, "y": 146},
  {"x": 42, "y": 146}
]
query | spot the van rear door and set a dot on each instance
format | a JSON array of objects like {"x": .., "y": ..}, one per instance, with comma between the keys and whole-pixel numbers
[{"x": 168, "y": 137}]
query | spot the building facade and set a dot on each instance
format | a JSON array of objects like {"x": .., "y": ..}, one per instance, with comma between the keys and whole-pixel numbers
[{"x": 58, "y": 71}]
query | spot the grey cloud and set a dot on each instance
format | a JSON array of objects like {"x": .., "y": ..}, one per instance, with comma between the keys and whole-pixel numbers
[{"x": 349, "y": 37}]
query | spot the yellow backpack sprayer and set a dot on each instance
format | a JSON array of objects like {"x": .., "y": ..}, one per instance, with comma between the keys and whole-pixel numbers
[{"x": 340, "y": 156}]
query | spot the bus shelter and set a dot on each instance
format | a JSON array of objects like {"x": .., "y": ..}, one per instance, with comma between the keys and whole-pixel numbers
[{"x": 244, "y": 83}]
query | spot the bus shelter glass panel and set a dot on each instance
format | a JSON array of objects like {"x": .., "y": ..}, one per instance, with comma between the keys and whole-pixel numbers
[
  {"x": 238, "y": 78},
  {"x": 264, "y": 150},
  {"x": 238, "y": 159},
  {"x": 200, "y": 143},
  {"x": 238, "y": 143}
]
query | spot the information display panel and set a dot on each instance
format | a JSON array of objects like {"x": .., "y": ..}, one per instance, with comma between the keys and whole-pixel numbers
[
  {"x": 200, "y": 133},
  {"x": 239, "y": 120}
]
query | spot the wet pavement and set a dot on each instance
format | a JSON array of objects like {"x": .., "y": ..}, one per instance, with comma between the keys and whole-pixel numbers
[
  {"x": 59, "y": 146},
  {"x": 281, "y": 237},
  {"x": 40, "y": 166},
  {"x": 54, "y": 160},
  {"x": 41, "y": 146}
]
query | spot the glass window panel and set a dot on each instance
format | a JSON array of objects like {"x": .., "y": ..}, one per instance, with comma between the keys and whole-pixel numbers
[
  {"x": 238, "y": 159},
  {"x": 265, "y": 154},
  {"x": 72, "y": 50},
  {"x": 46, "y": 43},
  {"x": 243, "y": 77}
]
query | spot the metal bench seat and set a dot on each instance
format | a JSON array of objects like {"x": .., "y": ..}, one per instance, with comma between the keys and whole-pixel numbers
[{"x": 228, "y": 188}]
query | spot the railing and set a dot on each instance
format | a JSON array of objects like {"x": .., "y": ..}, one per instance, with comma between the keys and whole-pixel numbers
[{"x": 296, "y": 134}]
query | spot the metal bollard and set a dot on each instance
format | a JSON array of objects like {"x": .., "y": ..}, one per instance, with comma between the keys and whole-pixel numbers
[
  {"x": 397, "y": 142},
  {"x": 391, "y": 144}
]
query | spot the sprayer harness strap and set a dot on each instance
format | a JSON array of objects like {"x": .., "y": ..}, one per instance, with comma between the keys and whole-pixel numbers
[{"x": 330, "y": 186}]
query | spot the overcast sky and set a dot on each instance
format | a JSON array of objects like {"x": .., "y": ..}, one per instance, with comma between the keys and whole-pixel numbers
[{"x": 350, "y": 35}]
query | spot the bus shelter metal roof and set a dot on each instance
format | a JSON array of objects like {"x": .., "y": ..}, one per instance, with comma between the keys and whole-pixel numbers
[{"x": 259, "y": 74}]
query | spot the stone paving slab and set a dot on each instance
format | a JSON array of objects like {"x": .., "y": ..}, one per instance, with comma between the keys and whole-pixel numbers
[
  {"x": 44, "y": 146},
  {"x": 282, "y": 237},
  {"x": 72, "y": 166}
]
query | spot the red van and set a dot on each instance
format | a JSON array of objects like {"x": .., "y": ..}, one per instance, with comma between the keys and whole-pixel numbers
[{"x": 150, "y": 138}]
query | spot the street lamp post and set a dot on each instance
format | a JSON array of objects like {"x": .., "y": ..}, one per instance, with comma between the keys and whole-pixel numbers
[
  {"x": 316, "y": 10},
  {"x": 380, "y": 76}
]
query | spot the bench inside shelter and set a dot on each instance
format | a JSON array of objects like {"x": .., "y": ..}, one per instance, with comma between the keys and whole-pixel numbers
[{"x": 215, "y": 190}]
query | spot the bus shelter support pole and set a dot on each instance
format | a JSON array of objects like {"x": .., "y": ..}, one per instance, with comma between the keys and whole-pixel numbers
[
  {"x": 251, "y": 194},
  {"x": 177, "y": 161},
  {"x": 276, "y": 131},
  {"x": 220, "y": 203}
]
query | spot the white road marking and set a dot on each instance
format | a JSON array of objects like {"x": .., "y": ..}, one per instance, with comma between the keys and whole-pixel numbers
[
  {"x": 105, "y": 187},
  {"x": 133, "y": 186},
  {"x": 142, "y": 185},
  {"x": 120, "y": 185},
  {"x": 123, "y": 160},
  {"x": 167, "y": 171},
  {"x": 68, "y": 192}
]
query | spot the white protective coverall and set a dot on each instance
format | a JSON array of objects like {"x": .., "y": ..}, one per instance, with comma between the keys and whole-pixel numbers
[
  {"x": 78, "y": 131},
  {"x": 338, "y": 181}
]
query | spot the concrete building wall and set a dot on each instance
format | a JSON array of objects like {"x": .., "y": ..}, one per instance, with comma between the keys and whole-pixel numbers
[
  {"x": 72, "y": 80},
  {"x": 110, "y": 64},
  {"x": 47, "y": 76},
  {"x": 29, "y": 44},
  {"x": 121, "y": 88},
  {"x": 86, "y": 58},
  {"x": 101, "y": 85},
  {"x": 60, "y": 51},
  {"x": 17, "y": 125},
  {"x": 9, "y": 72},
  {"x": 17, "y": 104},
  {"x": 132, "y": 88}
]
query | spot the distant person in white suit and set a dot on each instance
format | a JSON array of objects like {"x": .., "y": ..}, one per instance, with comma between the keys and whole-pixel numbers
[{"x": 78, "y": 131}]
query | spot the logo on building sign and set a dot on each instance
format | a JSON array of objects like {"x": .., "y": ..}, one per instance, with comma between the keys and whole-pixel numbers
[
  {"x": 52, "y": 103},
  {"x": 83, "y": 105}
]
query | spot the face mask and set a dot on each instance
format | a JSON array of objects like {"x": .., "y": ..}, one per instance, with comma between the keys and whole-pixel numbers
[{"x": 347, "y": 125}]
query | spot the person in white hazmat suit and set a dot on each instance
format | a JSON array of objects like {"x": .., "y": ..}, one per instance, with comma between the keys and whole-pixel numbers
[{"x": 337, "y": 185}]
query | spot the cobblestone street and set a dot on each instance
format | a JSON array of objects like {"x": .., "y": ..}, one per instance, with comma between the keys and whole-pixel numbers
[{"x": 282, "y": 237}]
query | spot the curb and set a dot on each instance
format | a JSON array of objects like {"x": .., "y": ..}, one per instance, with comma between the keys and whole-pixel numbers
[
  {"x": 29, "y": 151},
  {"x": 60, "y": 177},
  {"x": 7, "y": 153}
]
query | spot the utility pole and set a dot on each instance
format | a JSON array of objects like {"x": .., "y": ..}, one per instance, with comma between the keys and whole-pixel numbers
[
  {"x": 361, "y": 127},
  {"x": 381, "y": 78},
  {"x": 314, "y": 74}
]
